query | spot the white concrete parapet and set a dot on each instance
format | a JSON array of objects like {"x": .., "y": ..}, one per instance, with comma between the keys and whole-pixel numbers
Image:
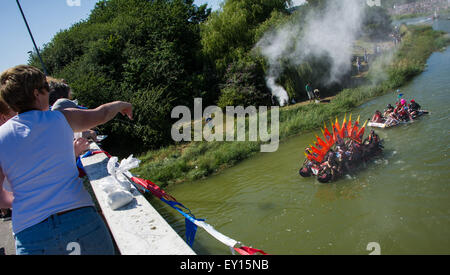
[{"x": 137, "y": 228}]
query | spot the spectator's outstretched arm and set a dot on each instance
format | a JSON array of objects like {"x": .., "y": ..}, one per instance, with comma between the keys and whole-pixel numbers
[
  {"x": 6, "y": 198},
  {"x": 84, "y": 119}
]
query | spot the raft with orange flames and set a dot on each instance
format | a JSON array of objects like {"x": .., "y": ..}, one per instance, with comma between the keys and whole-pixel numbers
[
  {"x": 350, "y": 148},
  {"x": 321, "y": 147}
]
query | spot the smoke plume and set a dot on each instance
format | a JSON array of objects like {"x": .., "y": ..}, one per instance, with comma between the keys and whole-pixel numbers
[{"x": 329, "y": 33}]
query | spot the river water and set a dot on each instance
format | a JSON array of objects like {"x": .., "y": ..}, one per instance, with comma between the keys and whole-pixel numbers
[{"x": 400, "y": 201}]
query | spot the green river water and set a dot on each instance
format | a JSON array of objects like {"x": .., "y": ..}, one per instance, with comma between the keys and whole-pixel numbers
[{"x": 400, "y": 201}]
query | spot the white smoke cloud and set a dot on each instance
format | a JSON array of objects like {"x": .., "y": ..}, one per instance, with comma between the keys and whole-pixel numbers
[
  {"x": 277, "y": 90},
  {"x": 331, "y": 33},
  {"x": 298, "y": 3}
]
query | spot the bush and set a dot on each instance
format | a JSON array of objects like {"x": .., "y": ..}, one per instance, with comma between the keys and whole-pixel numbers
[{"x": 244, "y": 85}]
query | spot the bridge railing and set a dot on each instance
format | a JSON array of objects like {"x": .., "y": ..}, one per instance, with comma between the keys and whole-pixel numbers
[{"x": 137, "y": 228}]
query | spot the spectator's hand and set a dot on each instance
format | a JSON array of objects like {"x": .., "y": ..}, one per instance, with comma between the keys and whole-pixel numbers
[
  {"x": 80, "y": 145},
  {"x": 90, "y": 134},
  {"x": 127, "y": 110}
]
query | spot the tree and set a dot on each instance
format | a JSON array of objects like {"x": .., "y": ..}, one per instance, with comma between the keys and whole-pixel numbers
[
  {"x": 228, "y": 34},
  {"x": 145, "y": 52},
  {"x": 377, "y": 23},
  {"x": 245, "y": 85}
]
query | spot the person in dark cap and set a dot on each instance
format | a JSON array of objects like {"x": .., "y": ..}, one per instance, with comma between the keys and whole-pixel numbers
[{"x": 414, "y": 108}]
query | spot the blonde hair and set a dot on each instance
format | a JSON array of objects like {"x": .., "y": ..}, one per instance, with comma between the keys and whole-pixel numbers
[
  {"x": 17, "y": 86},
  {"x": 52, "y": 79}
]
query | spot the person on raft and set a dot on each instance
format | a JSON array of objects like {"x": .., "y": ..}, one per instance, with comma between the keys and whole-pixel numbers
[
  {"x": 372, "y": 143},
  {"x": 388, "y": 111},
  {"x": 377, "y": 117},
  {"x": 308, "y": 165},
  {"x": 402, "y": 111},
  {"x": 344, "y": 158},
  {"x": 414, "y": 108},
  {"x": 390, "y": 116}
]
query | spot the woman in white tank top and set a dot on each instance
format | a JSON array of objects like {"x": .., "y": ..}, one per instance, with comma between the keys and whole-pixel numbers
[{"x": 51, "y": 209}]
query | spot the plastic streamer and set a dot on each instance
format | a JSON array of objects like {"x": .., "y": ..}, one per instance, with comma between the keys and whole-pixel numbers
[{"x": 191, "y": 222}]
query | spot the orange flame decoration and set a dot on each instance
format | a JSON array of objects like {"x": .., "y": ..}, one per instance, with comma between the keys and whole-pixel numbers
[{"x": 339, "y": 132}]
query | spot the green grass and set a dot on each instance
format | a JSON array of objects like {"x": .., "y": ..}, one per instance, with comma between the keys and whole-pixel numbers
[
  {"x": 415, "y": 15},
  {"x": 411, "y": 15},
  {"x": 195, "y": 160}
]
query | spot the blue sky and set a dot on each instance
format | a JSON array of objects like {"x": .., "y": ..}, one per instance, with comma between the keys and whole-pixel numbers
[{"x": 45, "y": 18}]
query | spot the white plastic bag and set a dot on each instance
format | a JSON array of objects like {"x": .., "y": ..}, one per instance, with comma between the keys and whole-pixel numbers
[
  {"x": 128, "y": 164},
  {"x": 119, "y": 198},
  {"x": 117, "y": 186},
  {"x": 125, "y": 165}
]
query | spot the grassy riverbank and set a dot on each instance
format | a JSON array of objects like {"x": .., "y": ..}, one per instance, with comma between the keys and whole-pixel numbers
[
  {"x": 415, "y": 15},
  {"x": 195, "y": 160}
]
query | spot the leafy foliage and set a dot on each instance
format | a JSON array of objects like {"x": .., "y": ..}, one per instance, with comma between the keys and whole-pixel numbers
[
  {"x": 229, "y": 34},
  {"x": 145, "y": 52},
  {"x": 245, "y": 85},
  {"x": 377, "y": 22}
]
